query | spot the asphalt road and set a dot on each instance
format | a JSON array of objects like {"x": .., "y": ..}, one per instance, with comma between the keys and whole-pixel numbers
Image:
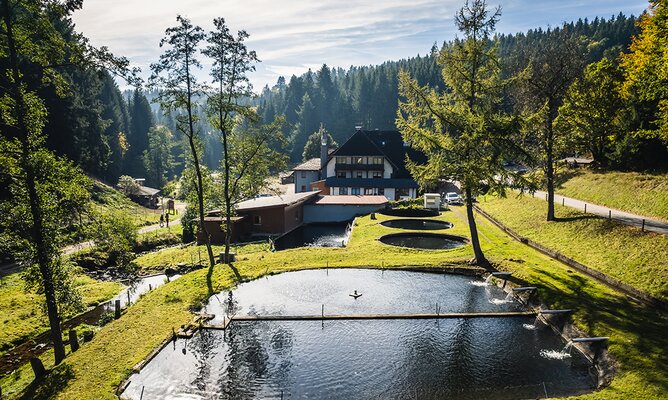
[{"x": 651, "y": 224}]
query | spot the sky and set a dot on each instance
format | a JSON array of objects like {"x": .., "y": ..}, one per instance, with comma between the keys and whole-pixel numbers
[{"x": 291, "y": 36}]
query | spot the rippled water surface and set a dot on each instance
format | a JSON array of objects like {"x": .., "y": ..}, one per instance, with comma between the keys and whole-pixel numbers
[
  {"x": 459, "y": 358},
  {"x": 315, "y": 235},
  {"x": 484, "y": 358},
  {"x": 383, "y": 292}
]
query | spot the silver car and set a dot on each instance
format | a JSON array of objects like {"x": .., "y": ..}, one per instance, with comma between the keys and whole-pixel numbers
[{"x": 453, "y": 198}]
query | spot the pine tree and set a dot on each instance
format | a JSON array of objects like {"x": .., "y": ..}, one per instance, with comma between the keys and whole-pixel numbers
[{"x": 464, "y": 132}]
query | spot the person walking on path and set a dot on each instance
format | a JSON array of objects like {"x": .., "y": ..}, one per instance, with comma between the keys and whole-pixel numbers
[
  {"x": 167, "y": 219},
  {"x": 162, "y": 220}
]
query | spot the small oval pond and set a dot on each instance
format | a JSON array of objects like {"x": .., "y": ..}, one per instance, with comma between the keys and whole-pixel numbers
[
  {"x": 424, "y": 241},
  {"x": 417, "y": 224},
  {"x": 458, "y": 358}
]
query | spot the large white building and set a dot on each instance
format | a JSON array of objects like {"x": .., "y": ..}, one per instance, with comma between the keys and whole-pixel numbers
[{"x": 369, "y": 163}]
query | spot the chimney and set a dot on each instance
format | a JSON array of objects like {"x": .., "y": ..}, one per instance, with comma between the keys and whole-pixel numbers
[{"x": 323, "y": 152}]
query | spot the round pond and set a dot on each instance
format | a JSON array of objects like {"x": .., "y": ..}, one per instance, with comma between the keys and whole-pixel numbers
[
  {"x": 417, "y": 224},
  {"x": 424, "y": 241}
]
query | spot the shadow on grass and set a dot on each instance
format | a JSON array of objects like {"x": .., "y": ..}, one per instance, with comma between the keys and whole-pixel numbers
[
  {"x": 637, "y": 332},
  {"x": 576, "y": 218},
  {"x": 53, "y": 383},
  {"x": 234, "y": 270}
]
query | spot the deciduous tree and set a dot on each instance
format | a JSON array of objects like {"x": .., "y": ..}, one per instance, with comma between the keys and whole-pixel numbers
[{"x": 174, "y": 75}]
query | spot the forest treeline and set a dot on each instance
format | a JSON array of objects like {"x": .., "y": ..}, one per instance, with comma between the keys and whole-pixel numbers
[
  {"x": 368, "y": 96},
  {"x": 110, "y": 133}
]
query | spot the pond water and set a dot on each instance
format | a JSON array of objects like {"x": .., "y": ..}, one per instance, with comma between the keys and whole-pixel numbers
[
  {"x": 490, "y": 358},
  {"x": 460, "y": 358},
  {"x": 138, "y": 286},
  {"x": 383, "y": 292},
  {"x": 424, "y": 241},
  {"x": 417, "y": 224},
  {"x": 333, "y": 234}
]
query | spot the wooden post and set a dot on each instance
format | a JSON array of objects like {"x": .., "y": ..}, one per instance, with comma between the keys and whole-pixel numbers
[
  {"x": 37, "y": 368},
  {"x": 643, "y": 224},
  {"x": 563, "y": 201},
  {"x": 117, "y": 309},
  {"x": 323, "y": 311},
  {"x": 74, "y": 341},
  {"x": 609, "y": 214},
  {"x": 585, "y": 208},
  {"x": 128, "y": 292}
]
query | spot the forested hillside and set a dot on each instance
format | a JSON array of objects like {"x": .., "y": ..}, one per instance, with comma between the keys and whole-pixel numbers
[
  {"x": 109, "y": 133},
  {"x": 367, "y": 96}
]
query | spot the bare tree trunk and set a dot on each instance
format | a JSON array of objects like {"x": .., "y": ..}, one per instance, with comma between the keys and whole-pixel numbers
[
  {"x": 549, "y": 170},
  {"x": 479, "y": 257},
  {"x": 37, "y": 231},
  {"x": 200, "y": 184},
  {"x": 228, "y": 201}
]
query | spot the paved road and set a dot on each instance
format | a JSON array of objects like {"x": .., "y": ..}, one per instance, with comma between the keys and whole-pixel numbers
[{"x": 651, "y": 224}]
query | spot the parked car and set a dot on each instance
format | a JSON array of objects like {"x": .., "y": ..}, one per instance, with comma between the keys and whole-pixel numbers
[{"x": 453, "y": 198}]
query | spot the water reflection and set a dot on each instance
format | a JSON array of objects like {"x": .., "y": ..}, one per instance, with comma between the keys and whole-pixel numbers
[
  {"x": 456, "y": 359},
  {"x": 385, "y": 292}
]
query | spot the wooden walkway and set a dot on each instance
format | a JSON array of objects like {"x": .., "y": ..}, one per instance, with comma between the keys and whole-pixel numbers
[{"x": 241, "y": 318}]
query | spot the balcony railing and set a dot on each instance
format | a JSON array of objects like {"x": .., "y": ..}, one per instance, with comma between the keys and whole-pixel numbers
[{"x": 359, "y": 167}]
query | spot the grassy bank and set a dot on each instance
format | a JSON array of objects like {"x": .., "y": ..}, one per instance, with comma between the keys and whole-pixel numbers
[
  {"x": 22, "y": 315},
  {"x": 620, "y": 251},
  {"x": 638, "y": 338},
  {"x": 640, "y": 193}
]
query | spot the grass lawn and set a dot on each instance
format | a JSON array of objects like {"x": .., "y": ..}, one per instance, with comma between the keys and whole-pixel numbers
[
  {"x": 638, "y": 339},
  {"x": 107, "y": 199},
  {"x": 640, "y": 193},
  {"x": 22, "y": 315},
  {"x": 620, "y": 251}
]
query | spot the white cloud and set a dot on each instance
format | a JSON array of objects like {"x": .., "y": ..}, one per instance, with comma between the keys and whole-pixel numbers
[{"x": 290, "y": 35}]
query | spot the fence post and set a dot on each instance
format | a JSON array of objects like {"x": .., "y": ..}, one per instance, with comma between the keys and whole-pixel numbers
[
  {"x": 585, "y": 208},
  {"x": 643, "y": 224},
  {"x": 563, "y": 201},
  {"x": 609, "y": 214}
]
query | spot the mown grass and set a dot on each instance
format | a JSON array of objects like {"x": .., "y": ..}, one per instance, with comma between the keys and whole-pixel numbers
[
  {"x": 641, "y": 193},
  {"x": 362, "y": 250},
  {"x": 620, "y": 251},
  {"x": 22, "y": 314},
  {"x": 638, "y": 339}
]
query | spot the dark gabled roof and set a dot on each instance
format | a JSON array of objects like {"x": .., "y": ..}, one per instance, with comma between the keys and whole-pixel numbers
[
  {"x": 389, "y": 144},
  {"x": 371, "y": 182}
]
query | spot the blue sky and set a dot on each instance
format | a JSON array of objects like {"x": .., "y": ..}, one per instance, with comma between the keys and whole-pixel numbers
[{"x": 291, "y": 36}]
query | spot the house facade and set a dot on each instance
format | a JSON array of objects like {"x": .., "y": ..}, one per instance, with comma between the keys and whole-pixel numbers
[
  {"x": 372, "y": 163},
  {"x": 305, "y": 174}
]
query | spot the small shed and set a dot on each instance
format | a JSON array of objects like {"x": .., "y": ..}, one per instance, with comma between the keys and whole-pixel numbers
[
  {"x": 432, "y": 201},
  {"x": 146, "y": 196}
]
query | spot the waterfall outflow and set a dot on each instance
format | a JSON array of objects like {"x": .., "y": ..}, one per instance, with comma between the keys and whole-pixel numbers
[
  {"x": 536, "y": 324},
  {"x": 508, "y": 299},
  {"x": 558, "y": 355}
]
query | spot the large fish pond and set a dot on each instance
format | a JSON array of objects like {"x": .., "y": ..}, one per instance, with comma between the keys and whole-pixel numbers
[{"x": 458, "y": 358}]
